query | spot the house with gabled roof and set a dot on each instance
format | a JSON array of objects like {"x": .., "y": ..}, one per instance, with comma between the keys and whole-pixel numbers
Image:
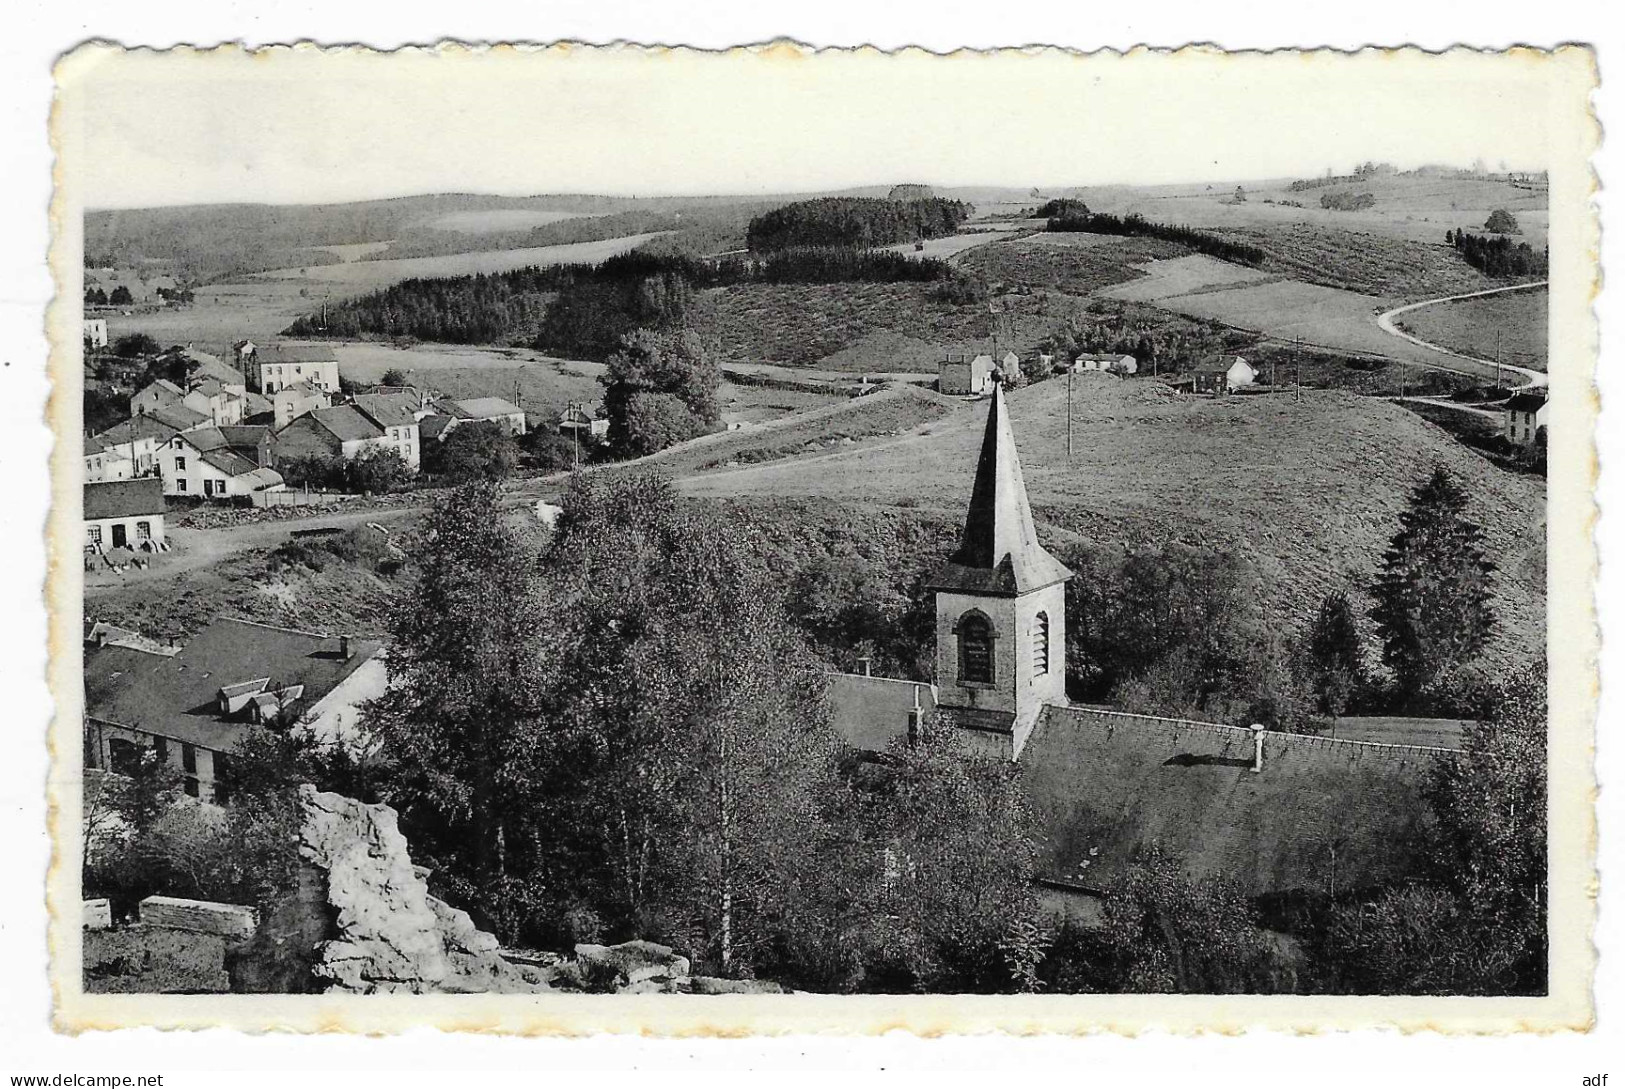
[
  {"x": 276, "y": 366},
  {"x": 1283, "y": 816},
  {"x": 397, "y": 416},
  {"x": 196, "y": 707},
  {"x": 124, "y": 514},
  {"x": 1523, "y": 417},
  {"x": 141, "y": 438},
  {"x": 1223, "y": 376},
  {"x": 291, "y": 402},
  {"x": 498, "y": 410},
  {"x": 219, "y": 462},
  {"x": 342, "y": 431}
]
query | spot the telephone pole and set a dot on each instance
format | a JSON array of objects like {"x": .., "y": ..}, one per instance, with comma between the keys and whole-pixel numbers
[
  {"x": 1069, "y": 373},
  {"x": 1297, "y": 373},
  {"x": 1497, "y": 359}
]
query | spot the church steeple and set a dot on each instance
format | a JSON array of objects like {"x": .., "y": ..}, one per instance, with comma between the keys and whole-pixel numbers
[
  {"x": 1001, "y": 608},
  {"x": 999, "y": 552}
]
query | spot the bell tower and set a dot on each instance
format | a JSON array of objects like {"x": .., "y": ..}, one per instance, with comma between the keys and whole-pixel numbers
[{"x": 1001, "y": 608}]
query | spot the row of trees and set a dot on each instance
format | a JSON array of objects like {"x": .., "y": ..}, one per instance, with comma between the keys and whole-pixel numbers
[
  {"x": 1499, "y": 256},
  {"x": 626, "y": 738},
  {"x": 1225, "y": 249},
  {"x": 585, "y": 310},
  {"x": 858, "y": 222},
  {"x": 1348, "y": 201},
  {"x": 120, "y": 297}
]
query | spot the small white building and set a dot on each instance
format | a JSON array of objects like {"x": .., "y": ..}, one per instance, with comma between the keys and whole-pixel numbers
[
  {"x": 1116, "y": 364},
  {"x": 95, "y": 333},
  {"x": 124, "y": 514},
  {"x": 1224, "y": 376},
  {"x": 505, "y": 414},
  {"x": 959, "y": 377},
  {"x": 1523, "y": 418},
  {"x": 291, "y": 402},
  {"x": 206, "y": 463}
]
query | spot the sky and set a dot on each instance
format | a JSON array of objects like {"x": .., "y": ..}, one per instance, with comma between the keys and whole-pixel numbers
[{"x": 306, "y": 126}]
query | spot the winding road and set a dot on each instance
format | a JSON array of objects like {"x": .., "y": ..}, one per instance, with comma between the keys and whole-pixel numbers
[{"x": 1533, "y": 379}]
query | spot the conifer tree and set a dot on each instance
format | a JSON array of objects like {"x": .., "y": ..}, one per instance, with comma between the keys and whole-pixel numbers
[
  {"x": 1433, "y": 592},
  {"x": 1336, "y": 659}
]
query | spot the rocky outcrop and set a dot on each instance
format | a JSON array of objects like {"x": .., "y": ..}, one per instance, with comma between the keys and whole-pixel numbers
[{"x": 363, "y": 922}]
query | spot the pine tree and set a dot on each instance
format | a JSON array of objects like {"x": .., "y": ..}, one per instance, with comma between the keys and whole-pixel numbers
[
  {"x": 1336, "y": 659},
  {"x": 1433, "y": 593}
]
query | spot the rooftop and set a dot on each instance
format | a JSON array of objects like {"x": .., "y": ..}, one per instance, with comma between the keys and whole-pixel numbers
[
  {"x": 1105, "y": 787},
  {"x": 178, "y": 697},
  {"x": 124, "y": 498},
  {"x": 484, "y": 408},
  {"x": 294, "y": 353},
  {"x": 1526, "y": 402},
  {"x": 388, "y": 409},
  {"x": 345, "y": 422},
  {"x": 136, "y": 428}
]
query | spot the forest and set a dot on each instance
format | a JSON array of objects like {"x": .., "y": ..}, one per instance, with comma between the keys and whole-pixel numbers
[
  {"x": 1212, "y": 245},
  {"x": 855, "y": 221},
  {"x": 584, "y": 310},
  {"x": 1498, "y": 256}
]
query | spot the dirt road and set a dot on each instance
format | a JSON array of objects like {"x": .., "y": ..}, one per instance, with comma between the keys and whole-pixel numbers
[
  {"x": 198, "y": 548},
  {"x": 1488, "y": 368}
]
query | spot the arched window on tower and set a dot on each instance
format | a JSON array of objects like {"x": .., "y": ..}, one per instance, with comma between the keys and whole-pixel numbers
[
  {"x": 975, "y": 648},
  {"x": 1040, "y": 644}
]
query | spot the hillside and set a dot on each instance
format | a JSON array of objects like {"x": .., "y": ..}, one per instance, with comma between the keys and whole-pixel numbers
[{"x": 1310, "y": 490}]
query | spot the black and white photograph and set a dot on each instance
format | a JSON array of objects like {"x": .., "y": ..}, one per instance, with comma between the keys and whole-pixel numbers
[{"x": 633, "y": 529}]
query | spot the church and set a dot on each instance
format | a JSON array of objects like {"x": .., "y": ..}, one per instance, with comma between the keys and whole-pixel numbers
[{"x": 1286, "y": 817}]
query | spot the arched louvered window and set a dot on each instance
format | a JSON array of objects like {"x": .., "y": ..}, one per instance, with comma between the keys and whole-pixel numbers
[
  {"x": 975, "y": 649},
  {"x": 1040, "y": 644}
]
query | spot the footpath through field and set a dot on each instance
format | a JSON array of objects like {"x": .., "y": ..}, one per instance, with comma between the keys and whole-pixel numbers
[{"x": 1533, "y": 379}]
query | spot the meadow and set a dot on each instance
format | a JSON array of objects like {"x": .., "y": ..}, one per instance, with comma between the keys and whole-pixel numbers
[
  {"x": 1311, "y": 490},
  {"x": 1471, "y": 326}
]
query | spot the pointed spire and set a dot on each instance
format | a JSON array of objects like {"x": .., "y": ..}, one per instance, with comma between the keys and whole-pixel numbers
[{"x": 999, "y": 551}]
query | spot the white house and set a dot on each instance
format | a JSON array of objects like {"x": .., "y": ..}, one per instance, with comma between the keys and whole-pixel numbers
[
  {"x": 1523, "y": 418},
  {"x": 140, "y": 438},
  {"x": 206, "y": 462},
  {"x": 959, "y": 377},
  {"x": 1116, "y": 364},
  {"x": 397, "y": 416},
  {"x": 280, "y": 365},
  {"x": 106, "y": 461},
  {"x": 507, "y": 415},
  {"x": 1224, "y": 376},
  {"x": 291, "y": 402},
  {"x": 95, "y": 332},
  {"x": 124, "y": 514}
]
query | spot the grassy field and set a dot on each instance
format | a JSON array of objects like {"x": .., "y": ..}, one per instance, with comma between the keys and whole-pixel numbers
[
  {"x": 1369, "y": 263},
  {"x": 1416, "y": 209},
  {"x": 1036, "y": 262},
  {"x": 356, "y": 277},
  {"x": 1471, "y": 325},
  {"x": 1186, "y": 275},
  {"x": 1310, "y": 490}
]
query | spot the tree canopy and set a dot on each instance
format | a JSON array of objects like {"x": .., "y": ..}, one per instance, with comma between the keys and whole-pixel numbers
[{"x": 659, "y": 388}]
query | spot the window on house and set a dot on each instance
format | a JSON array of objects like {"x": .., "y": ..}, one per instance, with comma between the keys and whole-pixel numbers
[
  {"x": 189, "y": 766},
  {"x": 180, "y": 485},
  {"x": 975, "y": 649},
  {"x": 1040, "y": 644},
  {"x": 143, "y": 531},
  {"x": 123, "y": 756},
  {"x": 180, "y": 465},
  {"x": 93, "y": 534},
  {"x": 161, "y": 746}
]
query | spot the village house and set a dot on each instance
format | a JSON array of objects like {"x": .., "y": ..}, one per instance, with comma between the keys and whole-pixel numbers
[
  {"x": 106, "y": 461},
  {"x": 1285, "y": 817},
  {"x": 342, "y": 431},
  {"x": 397, "y": 415},
  {"x": 960, "y": 377},
  {"x": 1223, "y": 376},
  {"x": 275, "y": 366},
  {"x": 583, "y": 422},
  {"x": 1010, "y": 365},
  {"x": 291, "y": 402},
  {"x": 505, "y": 414},
  {"x": 141, "y": 438},
  {"x": 124, "y": 514},
  {"x": 216, "y": 463},
  {"x": 1523, "y": 418},
  {"x": 196, "y": 706},
  {"x": 95, "y": 333}
]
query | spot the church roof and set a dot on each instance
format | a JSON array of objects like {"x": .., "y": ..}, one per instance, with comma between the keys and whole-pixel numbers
[{"x": 999, "y": 552}]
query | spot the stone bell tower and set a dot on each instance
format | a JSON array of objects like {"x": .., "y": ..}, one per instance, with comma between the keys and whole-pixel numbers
[{"x": 1001, "y": 608}]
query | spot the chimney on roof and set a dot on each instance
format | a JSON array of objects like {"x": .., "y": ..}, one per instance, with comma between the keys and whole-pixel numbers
[
  {"x": 863, "y": 664},
  {"x": 916, "y": 716},
  {"x": 1258, "y": 747}
]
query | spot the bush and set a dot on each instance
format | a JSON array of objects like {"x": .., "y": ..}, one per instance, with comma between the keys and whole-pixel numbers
[
  {"x": 377, "y": 470},
  {"x": 481, "y": 450},
  {"x": 1502, "y": 221},
  {"x": 135, "y": 345}
]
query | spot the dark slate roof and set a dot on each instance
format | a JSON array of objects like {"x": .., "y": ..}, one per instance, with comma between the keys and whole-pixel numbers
[
  {"x": 178, "y": 417},
  {"x": 139, "y": 427},
  {"x": 1106, "y": 787},
  {"x": 213, "y": 367},
  {"x": 432, "y": 427},
  {"x": 177, "y": 697},
  {"x": 388, "y": 409},
  {"x": 999, "y": 552},
  {"x": 124, "y": 498},
  {"x": 870, "y": 712},
  {"x": 294, "y": 353},
  {"x": 345, "y": 422},
  {"x": 1526, "y": 402}
]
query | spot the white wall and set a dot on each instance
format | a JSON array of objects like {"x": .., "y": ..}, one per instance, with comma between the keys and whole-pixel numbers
[{"x": 105, "y": 525}]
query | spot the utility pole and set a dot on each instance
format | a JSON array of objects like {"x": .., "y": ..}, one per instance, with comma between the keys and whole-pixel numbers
[
  {"x": 1498, "y": 359},
  {"x": 575, "y": 432},
  {"x": 1297, "y": 373},
  {"x": 1069, "y": 416}
]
